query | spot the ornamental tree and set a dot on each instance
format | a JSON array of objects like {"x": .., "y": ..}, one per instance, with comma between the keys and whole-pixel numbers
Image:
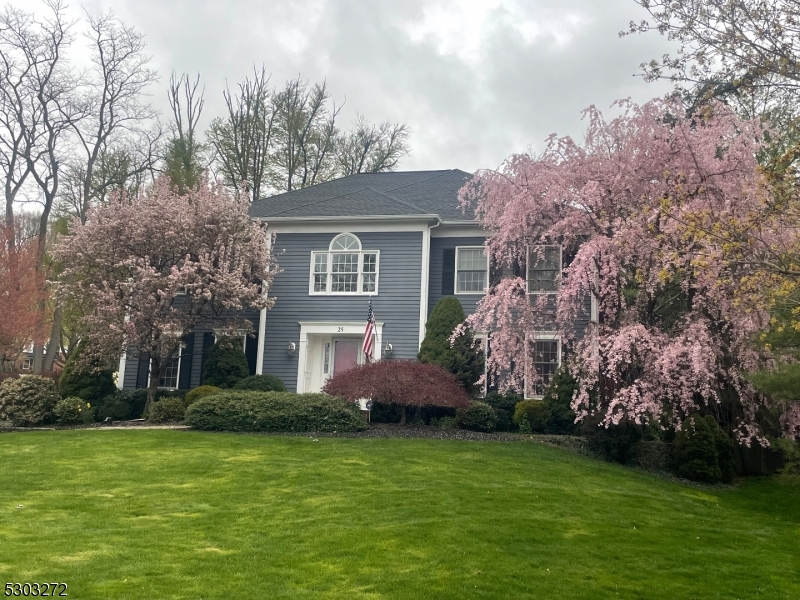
[
  {"x": 151, "y": 267},
  {"x": 401, "y": 382},
  {"x": 671, "y": 333}
]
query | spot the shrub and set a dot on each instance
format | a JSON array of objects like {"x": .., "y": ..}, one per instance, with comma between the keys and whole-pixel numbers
[
  {"x": 558, "y": 401},
  {"x": 226, "y": 364},
  {"x": 478, "y": 416},
  {"x": 401, "y": 382},
  {"x": 616, "y": 443},
  {"x": 261, "y": 383},
  {"x": 535, "y": 412},
  {"x": 443, "y": 422},
  {"x": 28, "y": 400},
  {"x": 200, "y": 392},
  {"x": 92, "y": 382},
  {"x": 702, "y": 451},
  {"x": 504, "y": 405},
  {"x": 117, "y": 406},
  {"x": 73, "y": 410},
  {"x": 463, "y": 358},
  {"x": 167, "y": 410},
  {"x": 274, "y": 411}
]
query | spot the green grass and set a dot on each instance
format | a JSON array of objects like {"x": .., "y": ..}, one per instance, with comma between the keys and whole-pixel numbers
[{"x": 175, "y": 514}]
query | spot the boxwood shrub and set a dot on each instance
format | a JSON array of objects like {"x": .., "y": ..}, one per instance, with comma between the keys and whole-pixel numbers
[
  {"x": 27, "y": 401},
  {"x": 535, "y": 412},
  {"x": 261, "y": 383},
  {"x": 167, "y": 410},
  {"x": 478, "y": 416},
  {"x": 274, "y": 411},
  {"x": 200, "y": 392}
]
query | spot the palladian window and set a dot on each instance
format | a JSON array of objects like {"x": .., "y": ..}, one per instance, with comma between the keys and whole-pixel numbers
[{"x": 345, "y": 268}]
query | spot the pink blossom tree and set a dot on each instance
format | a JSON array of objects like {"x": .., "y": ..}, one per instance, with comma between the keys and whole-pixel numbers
[
  {"x": 635, "y": 207},
  {"x": 151, "y": 267}
]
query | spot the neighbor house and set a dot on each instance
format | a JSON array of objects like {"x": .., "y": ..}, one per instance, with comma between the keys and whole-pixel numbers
[{"x": 399, "y": 239}]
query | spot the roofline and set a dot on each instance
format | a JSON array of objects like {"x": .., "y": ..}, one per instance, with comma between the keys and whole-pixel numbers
[{"x": 339, "y": 218}]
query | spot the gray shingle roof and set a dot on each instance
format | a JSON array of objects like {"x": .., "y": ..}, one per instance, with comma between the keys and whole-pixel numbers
[{"x": 398, "y": 193}]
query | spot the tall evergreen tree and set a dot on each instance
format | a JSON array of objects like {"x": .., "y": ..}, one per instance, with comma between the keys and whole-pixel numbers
[{"x": 464, "y": 358}]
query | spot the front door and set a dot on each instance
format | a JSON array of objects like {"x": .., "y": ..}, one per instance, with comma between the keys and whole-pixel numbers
[{"x": 345, "y": 355}]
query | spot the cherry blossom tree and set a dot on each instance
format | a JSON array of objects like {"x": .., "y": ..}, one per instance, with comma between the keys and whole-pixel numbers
[
  {"x": 151, "y": 267},
  {"x": 634, "y": 208}
]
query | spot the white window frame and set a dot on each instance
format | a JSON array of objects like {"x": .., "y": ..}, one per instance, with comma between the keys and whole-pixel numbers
[
  {"x": 177, "y": 375},
  {"x": 235, "y": 334},
  {"x": 27, "y": 364},
  {"x": 455, "y": 272},
  {"x": 529, "y": 263},
  {"x": 540, "y": 336},
  {"x": 329, "y": 273}
]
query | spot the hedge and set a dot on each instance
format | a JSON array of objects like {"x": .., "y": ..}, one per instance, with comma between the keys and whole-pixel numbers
[{"x": 274, "y": 411}]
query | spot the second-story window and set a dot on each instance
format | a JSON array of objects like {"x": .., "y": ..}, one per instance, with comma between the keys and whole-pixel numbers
[
  {"x": 544, "y": 267},
  {"x": 345, "y": 268},
  {"x": 472, "y": 270}
]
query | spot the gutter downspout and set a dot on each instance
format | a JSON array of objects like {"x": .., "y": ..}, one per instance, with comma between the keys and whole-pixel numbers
[{"x": 262, "y": 321}]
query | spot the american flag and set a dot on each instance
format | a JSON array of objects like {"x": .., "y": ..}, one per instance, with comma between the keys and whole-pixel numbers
[{"x": 369, "y": 332}]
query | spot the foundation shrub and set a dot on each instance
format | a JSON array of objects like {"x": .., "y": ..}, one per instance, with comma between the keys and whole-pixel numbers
[
  {"x": 702, "y": 451},
  {"x": 167, "y": 410},
  {"x": 274, "y": 411},
  {"x": 73, "y": 411},
  {"x": 202, "y": 391},
  {"x": 261, "y": 383},
  {"x": 28, "y": 401},
  {"x": 535, "y": 412},
  {"x": 478, "y": 416}
]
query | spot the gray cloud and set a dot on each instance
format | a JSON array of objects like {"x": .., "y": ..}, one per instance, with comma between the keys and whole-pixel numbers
[{"x": 476, "y": 80}]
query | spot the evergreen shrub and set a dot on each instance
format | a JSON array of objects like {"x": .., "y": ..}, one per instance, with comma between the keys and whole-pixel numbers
[
  {"x": 91, "y": 382},
  {"x": 28, "y": 400},
  {"x": 558, "y": 401},
  {"x": 73, "y": 411},
  {"x": 535, "y": 412},
  {"x": 503, "y": 405},
  {"x": 702, "y": 451},
  {"x": 261, "y": 383},
  {"x": 478, "y": 416},
  {"x": 615, "y": 443},
  {"x": 202, "y": 391},
  {"x": 167, "y": 410},
  {"x": 226, "y": 364},
  {"x": 117, "y": 407},
  {"x": 234, "y": 410},
  {"x": 463, "y": 359}
]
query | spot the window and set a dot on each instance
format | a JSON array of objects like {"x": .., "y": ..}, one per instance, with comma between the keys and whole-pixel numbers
[
  {"x": 172, "y": 373},
  {"x": 472, "y": 270},
  {"x": 544, "y": 361},
  {"x": 544, "y": 267},
  {"x": 27, "y": 364},
  {"x": 345, "y": 268}
]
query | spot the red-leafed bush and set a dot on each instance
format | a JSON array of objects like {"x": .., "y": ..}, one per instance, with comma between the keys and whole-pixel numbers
[{"x": 400, "y": 382}]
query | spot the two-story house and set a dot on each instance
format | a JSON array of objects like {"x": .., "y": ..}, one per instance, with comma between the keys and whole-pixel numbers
[{"x": 399, "y": 238}]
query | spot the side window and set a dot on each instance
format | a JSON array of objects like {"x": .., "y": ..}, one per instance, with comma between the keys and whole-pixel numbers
[
  {"x": 472, "y": 270},
  {"x": 544, "y": 268}
]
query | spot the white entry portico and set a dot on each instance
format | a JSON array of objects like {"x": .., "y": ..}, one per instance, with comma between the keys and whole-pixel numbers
[{"x": 319, "y": 342}]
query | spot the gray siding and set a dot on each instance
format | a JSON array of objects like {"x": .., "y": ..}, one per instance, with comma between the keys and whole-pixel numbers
[
  {"x": 397, "y": 303},
  {"x": 438, "y": 246}
]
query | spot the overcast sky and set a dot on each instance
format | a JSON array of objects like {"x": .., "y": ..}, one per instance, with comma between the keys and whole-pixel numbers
[{"x": 475, "y": 80}]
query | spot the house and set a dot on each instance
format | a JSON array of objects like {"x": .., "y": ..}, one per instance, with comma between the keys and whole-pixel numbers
[{"x": 399, "y": 239}]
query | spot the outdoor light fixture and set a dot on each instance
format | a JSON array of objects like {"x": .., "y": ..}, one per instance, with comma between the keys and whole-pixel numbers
[
  {"x": 291, "y": 349},
  {"x": 387, "y": 349}
]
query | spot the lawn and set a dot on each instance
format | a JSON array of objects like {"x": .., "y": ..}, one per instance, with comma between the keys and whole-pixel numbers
[{"x": 176, "y": 514}]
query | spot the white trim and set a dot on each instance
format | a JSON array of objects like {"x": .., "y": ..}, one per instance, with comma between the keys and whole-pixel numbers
[
  {"x": 446, "y": 231},
  {"x": 334, "y": 329},
  {"x": 177, "y": 375},
  {"x": 348, "y": 218},
  {"x": 539, "y": 336},
  {"x": 528, "y": 269},
  {"x": 352, "y": 225},
  {"x": 262, "y": 321},
  {"x": 455, "y": 272},
  {"x": 424, "y": 282},
  {"x": 121, "y": 372}
]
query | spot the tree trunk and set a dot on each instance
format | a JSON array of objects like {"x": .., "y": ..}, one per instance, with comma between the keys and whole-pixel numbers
[
  {"x": 55, "y": 339},
  {"x": 152, "y": 390}
]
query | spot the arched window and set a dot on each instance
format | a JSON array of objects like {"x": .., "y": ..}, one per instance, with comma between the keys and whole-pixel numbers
[{"x": 345, "y": 268}]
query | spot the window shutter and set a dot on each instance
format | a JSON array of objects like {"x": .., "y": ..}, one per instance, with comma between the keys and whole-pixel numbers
[
  {"x": 448, "y": 271},
  {"x": 187, "y": 356},
  {"x": 521, "y": 267},
  {"x": 208, "y": 343},
  {"x": 143, "y": 371},
  {"x": 495, "y": 273},
  {"x": 251, "y": 352}
]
